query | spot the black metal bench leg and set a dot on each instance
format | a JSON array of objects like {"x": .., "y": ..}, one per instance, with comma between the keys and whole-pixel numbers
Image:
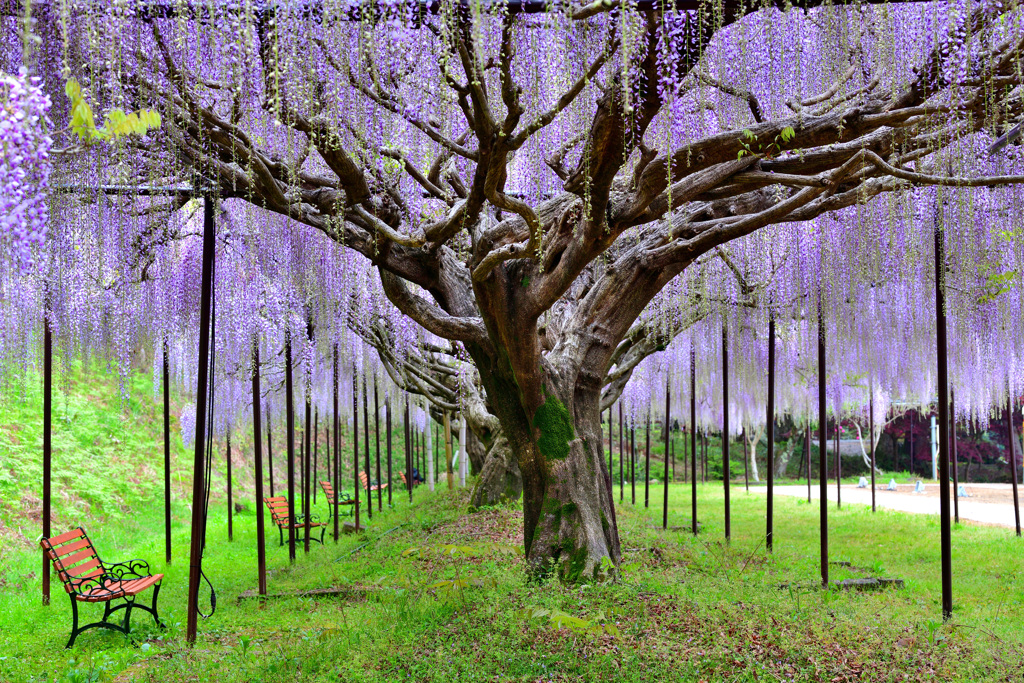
[
  {"x": 156, "y": 618},
  {"x": 74, "y": 623},
  {"x": 128, "y": 616}
]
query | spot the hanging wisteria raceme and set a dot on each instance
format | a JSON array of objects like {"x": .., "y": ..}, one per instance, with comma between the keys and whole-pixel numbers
[
  {"x": 24, "y": 168},
  {"x": 525, "y": 216}
]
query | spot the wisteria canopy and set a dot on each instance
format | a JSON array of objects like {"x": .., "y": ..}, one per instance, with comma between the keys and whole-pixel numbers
[{"x": 523, "y": 211}]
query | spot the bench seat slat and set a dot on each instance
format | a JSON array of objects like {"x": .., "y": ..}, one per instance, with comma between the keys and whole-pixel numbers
[{"x": 113, "y": 589}]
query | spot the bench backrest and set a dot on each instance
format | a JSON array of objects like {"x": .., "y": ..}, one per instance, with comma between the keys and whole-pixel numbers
[
  {"x": 364, "y": 479},
  {"x": 328, "y": 490},
  {"x": 279, "y": 512},
  {"x": 73, "y": 557}
]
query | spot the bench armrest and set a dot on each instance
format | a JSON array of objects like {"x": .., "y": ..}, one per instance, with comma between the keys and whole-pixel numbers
[
  {"x": 95, "y": 585},
  {"x": 130, "y": 569}
]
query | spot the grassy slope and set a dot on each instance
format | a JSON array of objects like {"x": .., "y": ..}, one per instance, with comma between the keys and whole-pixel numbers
[{"x": 688, "y": 609}]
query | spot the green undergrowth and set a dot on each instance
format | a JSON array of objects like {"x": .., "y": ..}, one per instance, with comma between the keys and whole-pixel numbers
[{"x": 431, "y": 593}]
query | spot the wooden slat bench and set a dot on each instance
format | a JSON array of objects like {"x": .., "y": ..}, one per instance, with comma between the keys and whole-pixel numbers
[
  {"x": 366, "y": 483},
  {"x": 87, "y": 578},
  {"x": 343, "y": 500},
  {"x": 278, "y": 506}
]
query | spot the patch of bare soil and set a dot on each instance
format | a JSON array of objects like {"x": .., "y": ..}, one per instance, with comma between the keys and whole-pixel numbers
[{"x": 493, "y": 526}]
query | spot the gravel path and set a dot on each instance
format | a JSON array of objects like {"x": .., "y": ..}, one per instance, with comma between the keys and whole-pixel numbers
[{"x": 988, "y": 504}]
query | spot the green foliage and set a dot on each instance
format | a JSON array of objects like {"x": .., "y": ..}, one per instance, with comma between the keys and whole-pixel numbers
[
  {"x": 117, "y": 124},
  {"x": 750, "y": 144},
  {"x": 556, "y": 619}
]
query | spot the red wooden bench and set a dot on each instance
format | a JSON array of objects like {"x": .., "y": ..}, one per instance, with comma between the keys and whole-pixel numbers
[
  {"x": 343, "y": 500},
  {"x": 278, "y": 506},
  {"x": 87, "y": 578}
]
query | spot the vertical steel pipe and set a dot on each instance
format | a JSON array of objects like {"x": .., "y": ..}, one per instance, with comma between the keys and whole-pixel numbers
[
  {"x": 366, "y": 450},
  {"x": 337, "y": 443},
  {"x": 725, "y": 428},
  {"x": 257, "y": 433},
  {"x": 167, "y": 454},
  {"x": 871, "y": 438},
  {"x": 376, "y": 434},
  {"x": 953, "y": 454},
  {"x": 227, "y": 458},
  {"x": 1012, "y": 454},
  {"x": 770, "y": 419},
  {"x": 647, "y": 461},
  {"x": 942, "y": 356},
  {"x": 202, "y": 377},
  {"x": 47, "y": 443},
  {"x": 356, "y": 484},
  {"x": 693, "y": 439},
  {"x": 387, "y": 438},
  {"x": 289, "y": 413},
  {"x": 668, "y": 444},
  {"x": 270, "y": 452},
  {"x": 822, "y": 451},
  {"x": 622, "y": 459}
]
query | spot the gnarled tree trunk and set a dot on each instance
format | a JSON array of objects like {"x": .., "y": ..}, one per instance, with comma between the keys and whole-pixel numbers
[
  {"x": 569, "y": 518},
  {"x": 500, "y": 479}
]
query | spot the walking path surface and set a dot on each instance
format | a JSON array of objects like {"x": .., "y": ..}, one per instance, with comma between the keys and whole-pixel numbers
[{"x": 997, "y": 509}]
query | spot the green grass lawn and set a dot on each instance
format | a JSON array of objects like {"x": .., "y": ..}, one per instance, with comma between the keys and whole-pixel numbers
[
  {"x": 686, "y": 609},
  {"x": 436, "y": 594}
]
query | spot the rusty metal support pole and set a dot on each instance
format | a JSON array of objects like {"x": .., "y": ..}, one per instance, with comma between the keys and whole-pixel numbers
[
  {"x": 838, "y": 465},
  {"x": 337, "y": 444},
  {"x": 912, "y": 441},
  {"x": 289, "y": 411},
  {"x": 202, "y": 394},
  {"x": 725, "y": 428},
  {"x": 356, "y": 484},
  {"x": 953, "y": 454},
  {"x": 270, "y": 452},
  {"x": 746, "y": 461},
  {"x": 871, "y": 438},
  {"x": 632, "y": 463},
  {"x": 387, "y": 440},
  {"x": 1012, "y": 454},
  {"x": 447, "y": 450},
  {"x": 822, "y": 451},
  {"x": 307, "y": 459},
  {"x": 668, "y": 454},
  {"x": 942, "y": 357},
  {"x": 807, "y": 455},
  {"x": 227, "y": 458},
  {"x": 376, "y": 432},
  {"x": 366, "y": 450},
  {"x": 47, "y": 442},
  {"x": 693, "y": 440},
  {"x": 622, "y": 459},
  {"x": 647, "y": 460},
  {"x": 408, "y": 451},
  {"x": 770, "y": 419},
  {"x": 609, "y": 452},
  {"x": 167, "y": 454},
  {"x": 316, "y": 452},
  {"x": 257, "y": 447}
]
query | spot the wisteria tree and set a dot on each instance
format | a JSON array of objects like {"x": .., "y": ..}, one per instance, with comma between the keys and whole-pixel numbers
[{"x": 527, "y": 179}]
